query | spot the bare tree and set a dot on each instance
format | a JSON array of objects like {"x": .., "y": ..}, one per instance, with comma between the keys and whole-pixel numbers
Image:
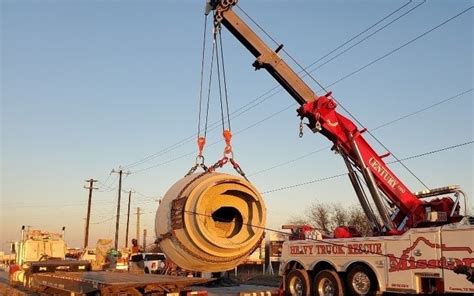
[
  {"x": 320, "y": 216},
  {"x": 340, "y": 216},
  {"x": 358, "y": 219},
  {"x": 327, "y": 216}
]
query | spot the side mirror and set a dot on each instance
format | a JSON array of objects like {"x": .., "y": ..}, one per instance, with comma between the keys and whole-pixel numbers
[{"x": 12, "y": 248}]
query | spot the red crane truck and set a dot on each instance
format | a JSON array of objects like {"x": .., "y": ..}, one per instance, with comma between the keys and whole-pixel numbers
[{"x": 422, "y": 242}]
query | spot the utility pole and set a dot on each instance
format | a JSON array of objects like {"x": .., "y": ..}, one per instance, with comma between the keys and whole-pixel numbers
[
  {"x": 138, "y": 226},
  {"x": 144, "y": 240},
  {"x": 128, "y": 217},
  {"x": 117, "y": 220},
  {"x": 88, "y": 217}
]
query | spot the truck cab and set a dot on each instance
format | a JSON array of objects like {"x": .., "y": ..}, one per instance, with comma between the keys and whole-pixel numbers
[
  {"x": 38, "y": 252},
  {"x": 148, "y": 262}
]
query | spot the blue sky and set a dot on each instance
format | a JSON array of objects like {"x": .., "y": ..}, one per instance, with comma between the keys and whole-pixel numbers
[{"x": 87, "y": 86}]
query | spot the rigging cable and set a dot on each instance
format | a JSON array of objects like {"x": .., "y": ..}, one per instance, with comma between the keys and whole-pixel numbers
[
  {"x": 225, "y": 82},
  {"x": 337, "y": 81},
  {"x": 202, "y": 140},
  {"x": 186, "y": 140},
  {"x": 202, "y": 74}
]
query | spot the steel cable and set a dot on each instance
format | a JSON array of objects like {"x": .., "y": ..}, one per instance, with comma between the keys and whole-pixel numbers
[{"x": 190, "y": 138}]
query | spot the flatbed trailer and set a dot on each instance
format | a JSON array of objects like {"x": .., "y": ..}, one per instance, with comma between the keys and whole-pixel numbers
[{"x": 112, "y": 283}]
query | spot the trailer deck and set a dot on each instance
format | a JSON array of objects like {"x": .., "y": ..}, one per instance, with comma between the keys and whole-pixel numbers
[{"x": 108, "y": 282}]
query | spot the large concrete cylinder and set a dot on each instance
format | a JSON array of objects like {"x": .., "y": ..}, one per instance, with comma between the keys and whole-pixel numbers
[{"x": 210, "y": 221}]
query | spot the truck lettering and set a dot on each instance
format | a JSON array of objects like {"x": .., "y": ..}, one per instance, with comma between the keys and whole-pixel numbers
[
  {"x": 391, "y": 181},
  {"x": 301, "y": 250},
  {"x": 406, "y": 262},
  {"x": 373, "y": 248}
]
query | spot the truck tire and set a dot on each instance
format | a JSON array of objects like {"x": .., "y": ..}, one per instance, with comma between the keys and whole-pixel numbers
[
  {"x": 361, "y": 281},
  {"x": 297, "y": 283},
  {"x": 147, "y": 270},
  {"x": 328, "y": 283}
]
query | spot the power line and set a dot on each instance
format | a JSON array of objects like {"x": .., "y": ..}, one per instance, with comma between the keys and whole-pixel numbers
[
  {"x": 380, "y": 58},
  {"x": 365, "y": 38},
  {"x": 372, "y": 129},
  {"x": 146, "y": 196},
  {"x": 376, "y": 60},
  {"x": 256, "y": 100},
  {"x": 109, "y": 187},
  {"x": 51, "y": 205},
  {"x": 422, "y": 109},
  {"x": 433, "y": 152},
  {"x": 304, "y": 183},
  {"x": 343, "y": 174},
  {"x": 216, "y": 142},
  {"x": 354, "y": 72},
  {"x": 288, "y": 107},
  {"x": 400, "y": 47},
  {"x": 338, "y": 81},
  {"x": 289, "y": 161},
  {"x": 304, "y": 69},
  {"x": 105, "y": 220},
  {"x": 106, "y": 180},
  {"x": 165, "y": 162}
]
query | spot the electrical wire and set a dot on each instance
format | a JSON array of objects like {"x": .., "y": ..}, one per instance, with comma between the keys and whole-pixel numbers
[
  {"x": 109, "y": 187},
  {"x": 286, "y": 108},
  {"x": 105, "y": 220},
  {"x": 255, "y": 101},
  {"x": 378, "y": 59},
  {"x": 364, "y": 39},
  {"x": 422, "y": 109},
  {"x": 433, "y": 152},
  {"x": 290, "y": 161},
  {"x": 146, "y": 196},
  {"x": 458, "y": 95},
  {"x": 401, "y": 46},
  {"x": 361, "y": 33},
  {"x": 343, "y": 174},
  {"x": 303, "y": 184},
  {"x": 52, "y": 205}
]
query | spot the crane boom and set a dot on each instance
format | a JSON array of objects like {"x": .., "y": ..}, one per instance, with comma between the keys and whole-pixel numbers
[{"x": 348, "y": 140}]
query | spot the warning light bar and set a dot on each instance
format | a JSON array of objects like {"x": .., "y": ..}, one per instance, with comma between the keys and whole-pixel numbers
[{"x": 437, "y": 191}]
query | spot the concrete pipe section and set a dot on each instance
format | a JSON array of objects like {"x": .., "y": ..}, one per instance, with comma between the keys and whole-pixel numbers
[{"x": 210, "y": 221}]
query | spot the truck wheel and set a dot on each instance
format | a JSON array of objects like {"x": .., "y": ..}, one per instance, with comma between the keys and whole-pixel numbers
[
  {"x": 297, "y": 283},
  {"x": 361, "y": 281},
  {"x": 328, "y": 283},
  {"x": 147, "y": 270}
]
